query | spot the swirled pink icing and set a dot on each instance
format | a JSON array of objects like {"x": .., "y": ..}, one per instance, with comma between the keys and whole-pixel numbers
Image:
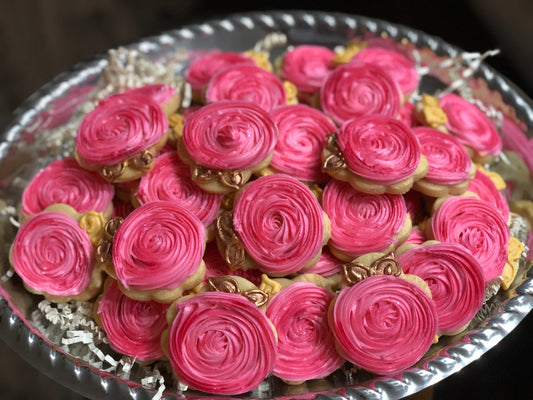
[
  {"x": 327, "y": 265},
  {"x": 483, "y": 186},
  {"x": 247, "y": 83},
  {"x": 383, "y": 324},
  {"x": 401, "y": 70},
  {"x": 229, "y": 135},
  {"x": 454, "y": 277},
  {"x": 158, "y": 246},
  {"x": 380, "y": 149},
  {"x": 202, "y": 70},
  {"x": 416, "y": 237},
  {"x": 64, "y": 181},
  {"x": 306, "y": 66},
  {"x": 118, "y": 128},
  {"x": 161, "y": 93},
  {"x": 477, "y": 226},
  {"x": 357, "y": 89},
  {"x": 279, "y": 222},
  {"x": 216, "y": 266},
  {"x": 302, "y": 136},
  {"x": 133, "y": 327},
  {"x": 306, "y": 347},
  {"x": 221, "y": 343},
  {"x": 408, "y": 116},
  {"x": 515, "y": 139},
  {"x": 362, "y": 223},
  {"x": 170, "y": 179},
  {"x": 52, "y": 254},
  {"x": 470, "y": 125},
  {"x": 448, "y": 161}
]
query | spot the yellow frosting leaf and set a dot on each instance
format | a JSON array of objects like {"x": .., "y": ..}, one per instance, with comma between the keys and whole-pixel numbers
[
  {"x": 431, "y": 114},
  {"x": 291, "y": 92},
  {"x": 269, "y": 286},
  {"x": 260, "y": 58},
  {"x": 348, "y": 53},
  {"x": 175, "y": 123},
  {"x": 494, "y": 177},
  {"x": 514, "y": 251}
]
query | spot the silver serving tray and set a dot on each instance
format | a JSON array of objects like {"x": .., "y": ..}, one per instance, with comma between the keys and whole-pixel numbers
[{"x": 23, "y": 150}]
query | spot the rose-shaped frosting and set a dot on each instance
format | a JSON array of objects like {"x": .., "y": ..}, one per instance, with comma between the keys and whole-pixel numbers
[
  {"x": 203, "y": 69},
  {"x": 306, "y": 347},
  {"x": 380, "y": 149},
  {"x": 221, "y": 343},
  {"x": 118, "y": 128},
  {"x": 416, "y": 237},
  {"x": 216, "y": 266},
  {"x": 229, "y": 135},
  {"x": 483, "y": 186},
  {"x": 52, "y": 254},
  {"x": 133, "y": 327},
  {"x": 401, "y": 70},
  {"x": 307, "y": 66},
  {"x": 362, "y": 223},
  {"x": 408, "y": 115},
  {"x": 161, "y": 93},
  {"x": 357, "y": 89},
  {"x": 454, "y": 277},
  {"x": 64, "y": 181},
  {"x": 158, "y": 246},
  {"x": 170, "y": 179},
  {"x": 247, "y": 83},
  {"x": 476, "y": 225},
  {"x": 470, "y": 125},
  {"x": 280, "y": 223},
  {"x": 448, "y": 160},
  {"x": 302, "y": 136},
  {"x": 383, "y": 324},
  {"x": 515, "y": 139},
  {"x": 327, "y": 265}
]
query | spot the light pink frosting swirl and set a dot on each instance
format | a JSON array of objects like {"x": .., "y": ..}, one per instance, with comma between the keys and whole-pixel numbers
[
  {"x": 64, "y": 181},
  {"x": 470, "y": 125},
  {"x": 383, "y": 324},
  {"x": 202, "y": 70},
  {"x": 217, "y": 267},
  {"x": 170, "y": 179},
  {"x": 476, "y": 225},
  {"x": 221, "y": 343},
  {"x": 448, "y": 160},
  {"x": 306, "y": 347},
  {"x": 327, "y": 265},
  {"x": 357, "y": 89},
  {"x": 362, "y": 223},
  {"x": 247, "y": 83},
  {"x": 279, "y": 222},
  {"x": 416, "y": 237},
  {"x": 454, "y": 277},
  {"x": 133, "y": 327},
  {"x": 52, "y": 254},
  {"x": 483, "y": 186},
  {"x": 302, "y": 136},
  {"x": 380, "y": 149},
  {"x": 118, "y": 128},
  {"x": 158, "y": 246},
  {"x": 229, "y": 135},
  {"x": 161, "y": 93},
  {"x": 306, "y": 66},
  {"x": 408, "y": 116}
]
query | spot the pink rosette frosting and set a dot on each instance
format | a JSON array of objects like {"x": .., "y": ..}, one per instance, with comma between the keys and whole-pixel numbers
[
  {"x": 380, "y": 149},
  {"x": 327, "y": 265},
  {"x": 158, "y": 246},
  {"x": 362, "y": 223},
  {"x": 170, "y": 180},
  {"x": 221, "y": 343},
  {"x": 470, "y": 125},
  {"x": 64, "y": 181},
  {"x": 477, "y": 226},
  {"x": 229, "y": 135},
  {"x": 52, "y": 254},
  {"x": 161, "y": 93},
  {"x": 302, "y": 136},
  {"x": 408, "y": 116},
  {"x": 247, "y": 83},
  {"x": 448, "y": 160},
  {"x": 483, "y": 186},
  {"x": 306, "y": 347},
  {"x": 133, "y": 327},
  {"x": 515, "y": 139},
  {"x": 416, "y": 237},
  {"x": 383, "y": 324},
  {"x": 357, "y": 89},
  {"x": 118, "y": 128},
  {"x": 217, "y": 267},
  {"x": 203, "y": 69},
  {"x": 306, "y": 66},
  {"x": 454, "y": 277},
  {"x": 280, "y": 223}
]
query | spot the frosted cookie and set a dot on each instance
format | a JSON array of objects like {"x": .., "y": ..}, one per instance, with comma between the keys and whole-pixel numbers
[
  {"x": 64, "y": 181},
  {"x": 407, "y": 115},
  {"x": 121, "y": 137},
  {"x": 485, "y": 188},
  {"x": 225, "y": 142},
  {"x": 163, "y": 94},
  {"x": 216, "y": 266},
  {"x": 327, "y": 265},
  {"x": 363, "y": 223},
  {"x": 375, "y": 155},
  {"x": 416, "y": 237},
  {"x": 132, "y": 327}
]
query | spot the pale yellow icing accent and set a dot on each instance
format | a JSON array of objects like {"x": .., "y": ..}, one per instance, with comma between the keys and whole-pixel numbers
[
  {"x": 175, "y": 123},
  {"x": 93, "y": 223},
  {"x": 348, "y": 53},
  {"x": 494, "y": 177},
  {"x": 269, "y": 286},
  {"x": 261, "y": 58},
  {"x": 430, "y": 113},
  {"x": 291, "y": 92},
  {"x": 317, "y": 191},
  {"x": 515, "y": 250}
]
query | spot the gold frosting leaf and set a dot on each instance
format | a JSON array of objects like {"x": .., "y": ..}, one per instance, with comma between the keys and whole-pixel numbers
[
  {"x": 261, "y": 59},
  {"x": 256, "y": 296},
  {"x": 202, "y": 174},
  {"x": 333, "y": 162},
  {"x": 143, "y": 160},
  {"x": 93, "y": 223},
  {"x": 113, "y": 172},
  {"x": 386, "y": 265},
  {"x": 224, "y": 227},
  {"x": 111, "y": 226},
  {"x": 224, "y": 284},
  {"x": 227, "y": 201},
  {"x": 232, "y": 179},
  {"x": 269, "y": 286},
  {"x": 234, "y": 255},
  {"x": 331, "y": 143},
  {"x": 291, "y": 92},
  {"x": 103, "y": 251},
  {"x": 354, "y": 272}
]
